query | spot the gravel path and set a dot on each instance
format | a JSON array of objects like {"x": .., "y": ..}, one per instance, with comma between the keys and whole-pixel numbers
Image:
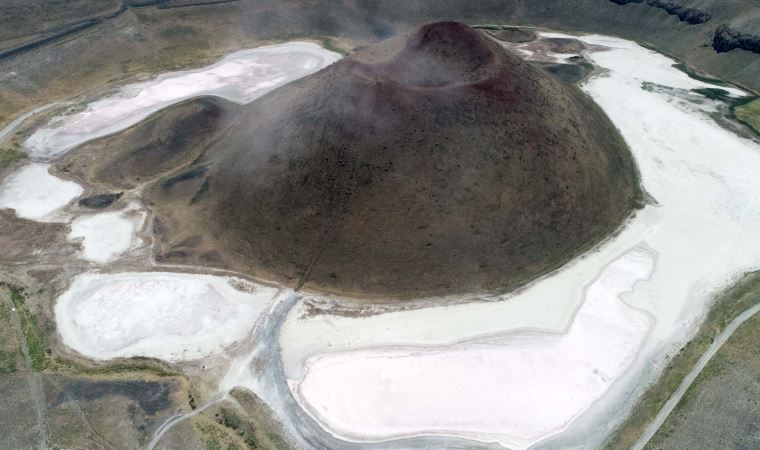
[{"x": 655, "y": 425}]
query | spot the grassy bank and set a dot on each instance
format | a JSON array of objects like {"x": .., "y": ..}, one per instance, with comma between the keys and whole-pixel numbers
[
  {"x": 246, "y": 422},
  {"x": 10, "y": 356},
  {"x": 33, "y": 335},
  {"x": 10, "y": 155},
  {"x": 749, "y": 114},
  {"x": 727, "y": 305}
]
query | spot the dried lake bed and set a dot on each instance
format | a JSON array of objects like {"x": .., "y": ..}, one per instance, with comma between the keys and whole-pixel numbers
[
  {"x": 558, "y": 363},
  {"x": 36, "y": 194},
  {"x": 106, "y": 236},
  {"x": 170, "y": 316}
]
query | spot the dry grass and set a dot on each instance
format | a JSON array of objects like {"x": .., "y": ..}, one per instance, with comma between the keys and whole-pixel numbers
[{"x": 9, "y": 156}]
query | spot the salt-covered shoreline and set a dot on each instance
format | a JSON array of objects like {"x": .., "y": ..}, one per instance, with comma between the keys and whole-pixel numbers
[{"x": 241, "y": 77}]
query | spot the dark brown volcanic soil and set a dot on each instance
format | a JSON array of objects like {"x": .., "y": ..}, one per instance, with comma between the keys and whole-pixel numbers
[{"x": 432, "y": 163}]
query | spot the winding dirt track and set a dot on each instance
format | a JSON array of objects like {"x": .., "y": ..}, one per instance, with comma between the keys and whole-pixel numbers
[
  {"x": 657, "y": 422},
  {"x": 307, "y": 432},
  {"x": 62, "y": 31},
  {"x": 6, "y": 132}
]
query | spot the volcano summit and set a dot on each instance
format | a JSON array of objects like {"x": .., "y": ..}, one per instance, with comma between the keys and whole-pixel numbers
[{"x": 431, "y": 163}]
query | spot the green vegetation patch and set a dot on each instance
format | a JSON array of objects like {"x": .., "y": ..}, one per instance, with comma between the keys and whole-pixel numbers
[
  {"x": 7, "y": 362},
  {"x": 233, "y": 422},
  {"x": 9, "y": 341},
  {"x": 744, "y": 294},
  {"x": 254, "y": 425},
  {"x": 10, "y": 155},
  {"x": 697, "y": 76},
  {"x": 328, "y": 44},
  {"x": 212, "y": 443},
  {"x": 177, "y": 57},
  {"x": 215, "y": 438},
  {"x": 133, "y": 365},
  {"x": 749, "y": 114},
  {"x": 35, "y": 338}
]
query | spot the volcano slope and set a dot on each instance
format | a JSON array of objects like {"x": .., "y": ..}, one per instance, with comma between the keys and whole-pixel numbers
[{"x": 432, "y": 163}]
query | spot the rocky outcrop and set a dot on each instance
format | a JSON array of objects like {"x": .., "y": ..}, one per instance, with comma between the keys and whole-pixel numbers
[
  {"x": 692, "y": 16},
  {"x": 99, "y": 201},
  {"x": 727, "y": 39}
]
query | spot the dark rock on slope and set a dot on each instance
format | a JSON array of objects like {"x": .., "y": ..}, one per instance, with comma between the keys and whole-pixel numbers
[
  {"x": 435, "y": 162},
  {"x": 692, "y": 16},
  {"x": 727, "y": 39},
  {"x": 100, "y": 201}
]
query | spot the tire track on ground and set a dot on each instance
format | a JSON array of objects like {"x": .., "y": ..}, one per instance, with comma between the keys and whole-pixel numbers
[{"x": 676, "y": 397}]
